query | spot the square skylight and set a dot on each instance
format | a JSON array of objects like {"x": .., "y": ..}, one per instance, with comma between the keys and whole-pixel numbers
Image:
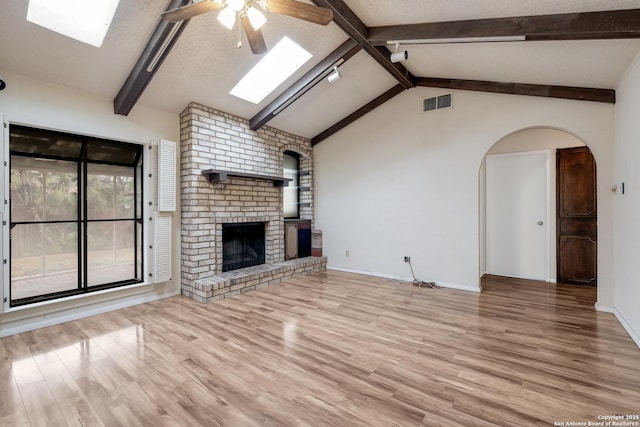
[
  {"x": 83, "y": 20},
  {"x": 277, "y": 65}
]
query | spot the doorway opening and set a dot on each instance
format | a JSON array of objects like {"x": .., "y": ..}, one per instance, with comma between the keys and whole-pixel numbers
[{"x": 538, "y": 213}]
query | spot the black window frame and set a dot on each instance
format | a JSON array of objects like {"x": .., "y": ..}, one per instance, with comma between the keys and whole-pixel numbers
[
  {"x": 296, "y": 156},
  {"x": 82, "y": 220}
]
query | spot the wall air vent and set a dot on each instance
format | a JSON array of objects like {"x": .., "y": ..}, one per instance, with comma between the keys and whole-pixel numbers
[{"x": 437, "y": 102}]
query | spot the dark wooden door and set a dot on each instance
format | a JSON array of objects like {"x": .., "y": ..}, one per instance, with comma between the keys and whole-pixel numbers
[{"x": 576, "y": 216}]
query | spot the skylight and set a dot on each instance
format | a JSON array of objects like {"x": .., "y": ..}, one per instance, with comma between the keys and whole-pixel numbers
[
  {"x": 277, "y": 65},
  {"x": 83, "y": 20}
]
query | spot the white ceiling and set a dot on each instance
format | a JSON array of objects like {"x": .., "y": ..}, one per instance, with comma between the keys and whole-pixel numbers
[{"x": 205, "y": 64}]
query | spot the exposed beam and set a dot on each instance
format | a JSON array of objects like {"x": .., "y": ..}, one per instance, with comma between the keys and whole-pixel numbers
[
  {"x": 355, "y": 28},
  {"x": 345, "y": 51},
  {"x": 549, "y": 91},
  {"x": 358, "y": 113},
  {"x": 162, "y": 40},
  {"x": 610, "y": 24}
]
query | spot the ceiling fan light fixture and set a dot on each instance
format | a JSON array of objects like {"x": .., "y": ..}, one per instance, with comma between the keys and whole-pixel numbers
[
  {"x": 236, "y": 5},
  {"x": 256, "y": 18},
  {"x": 227, "y": 17}
]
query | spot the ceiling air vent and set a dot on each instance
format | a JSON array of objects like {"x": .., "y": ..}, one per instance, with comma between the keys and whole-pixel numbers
[{"x": 437, "y": 102}]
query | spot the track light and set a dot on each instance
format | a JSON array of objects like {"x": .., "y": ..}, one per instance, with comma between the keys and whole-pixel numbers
[
  {"x": 399, "y": 56},
  {"x": 335, "y": 75},
  {"x": 162, "y": 50}
]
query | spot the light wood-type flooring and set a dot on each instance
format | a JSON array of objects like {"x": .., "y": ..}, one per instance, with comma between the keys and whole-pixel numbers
[{"x": 332, "y": 349}]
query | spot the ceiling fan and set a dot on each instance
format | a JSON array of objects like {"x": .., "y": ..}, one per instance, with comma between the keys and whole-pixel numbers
[{"x": 251, "y": 19}]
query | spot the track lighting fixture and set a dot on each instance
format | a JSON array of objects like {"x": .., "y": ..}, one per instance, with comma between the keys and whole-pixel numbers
[
  {"x": 489, "y": 39},
  {"x": 335, "y": 75},
  {"x": 399, "y": 56}
]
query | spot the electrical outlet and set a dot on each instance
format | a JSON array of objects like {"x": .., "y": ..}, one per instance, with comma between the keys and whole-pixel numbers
[
  {"x": 407, "y": 259},
  {"x": 346, "y": 253}
]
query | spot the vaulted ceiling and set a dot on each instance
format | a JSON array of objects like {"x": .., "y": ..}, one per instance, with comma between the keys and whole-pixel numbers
[{"x": 204, "y": 64}]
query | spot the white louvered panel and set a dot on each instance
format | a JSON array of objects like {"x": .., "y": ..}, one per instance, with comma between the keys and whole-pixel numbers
[
  {"x": 161, "y": 248},
  {"x": 166, "y": 176},
  {"x": 154, "y": 173}
]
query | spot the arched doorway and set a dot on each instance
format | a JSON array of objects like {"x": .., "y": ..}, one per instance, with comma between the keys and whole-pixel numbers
[{"x": 521, "y": 233}]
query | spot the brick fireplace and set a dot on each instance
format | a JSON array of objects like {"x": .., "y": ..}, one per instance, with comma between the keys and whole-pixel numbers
[{"x": 213, "y": 140}]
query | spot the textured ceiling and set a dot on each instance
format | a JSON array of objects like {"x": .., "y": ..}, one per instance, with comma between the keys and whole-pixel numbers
[
  {"x": 204, "y": 64},
  {"x": 598, "y": 63}
]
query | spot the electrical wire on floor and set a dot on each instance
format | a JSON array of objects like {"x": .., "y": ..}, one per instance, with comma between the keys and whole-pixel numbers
[{"x": 421, "y": 283}]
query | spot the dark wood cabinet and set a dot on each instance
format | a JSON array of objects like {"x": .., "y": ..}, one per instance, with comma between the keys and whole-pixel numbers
[{"x": 576, "y": 216}]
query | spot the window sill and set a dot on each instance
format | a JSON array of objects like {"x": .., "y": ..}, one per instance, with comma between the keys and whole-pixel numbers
[{"x": 62, "y": 300}]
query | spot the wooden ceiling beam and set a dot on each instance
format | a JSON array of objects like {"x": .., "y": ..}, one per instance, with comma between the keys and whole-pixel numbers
[
  {"x": 548, "y": 91},
  {"x": 344, "y": 52},
  {"x": 609, "y": 24},
  {"x": 346, "y": 19},
  {"x": 370, "y": 106},
  {"x": 160, "y": 44}
]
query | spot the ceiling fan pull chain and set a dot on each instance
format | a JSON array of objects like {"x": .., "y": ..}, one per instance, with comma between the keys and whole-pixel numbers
[{"x": 239, "y": 45}]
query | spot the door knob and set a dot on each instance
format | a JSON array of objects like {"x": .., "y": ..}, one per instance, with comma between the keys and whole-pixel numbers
[{"x": 540, "y": 222}]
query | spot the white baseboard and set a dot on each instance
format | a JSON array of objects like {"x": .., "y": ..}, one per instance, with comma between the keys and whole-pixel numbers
[
  {"x": 627, "y": 327},
  {"x": 403, "y": 279},
  {"x": 67, "y": 315},
  {"x": 368, "y": 273},
  {"x": 603, "y": 308},
  {"x": 459, "y": 287}
]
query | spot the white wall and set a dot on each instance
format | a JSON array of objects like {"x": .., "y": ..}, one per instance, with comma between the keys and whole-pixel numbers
[
  {"x": 43, "y": 105},
  {"x": 627, "y": 206},
  {"x": 402, "y": 182},
  {"x": 535, "y": 139},
  {"x": 531, "y": 140}
]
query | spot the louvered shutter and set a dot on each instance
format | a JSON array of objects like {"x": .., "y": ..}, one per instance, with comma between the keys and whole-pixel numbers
[
  {"x": 161, "y": 247},
  {"x": 166, "y": 176}
]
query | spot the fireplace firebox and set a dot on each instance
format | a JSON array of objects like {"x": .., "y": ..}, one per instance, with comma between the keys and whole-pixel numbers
[{"x": 243, "y": 245}]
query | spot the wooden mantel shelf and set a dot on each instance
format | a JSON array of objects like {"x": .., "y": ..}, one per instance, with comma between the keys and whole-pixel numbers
[{"x": 216, "y": 176}]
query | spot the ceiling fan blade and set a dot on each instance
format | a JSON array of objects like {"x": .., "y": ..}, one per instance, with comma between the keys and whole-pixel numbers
[
  {"x": 296, "y": 9},
  {"x": 256, "y": 40},
  {"x": 191, "y": 10}
]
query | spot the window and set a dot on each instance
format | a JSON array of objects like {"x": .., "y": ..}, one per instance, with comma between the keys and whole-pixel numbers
[
  {"x": 86, "y": 21},
  {"x": 275, "y": 67},
  {"x": 292, "y": 191},
  {"x": 76, "y": 214}
]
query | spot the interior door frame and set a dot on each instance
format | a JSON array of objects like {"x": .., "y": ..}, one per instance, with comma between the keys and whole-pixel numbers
[{"x": 549, "y": 216}]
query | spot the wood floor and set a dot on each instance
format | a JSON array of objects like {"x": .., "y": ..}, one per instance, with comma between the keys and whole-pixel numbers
[{"x": 332, "y": 349}]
